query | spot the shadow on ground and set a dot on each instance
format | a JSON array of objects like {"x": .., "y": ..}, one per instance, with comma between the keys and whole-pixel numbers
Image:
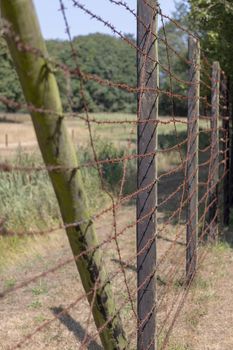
[
  {"x": 228, "y": 235},
  {"x": 75, "y": 327}
]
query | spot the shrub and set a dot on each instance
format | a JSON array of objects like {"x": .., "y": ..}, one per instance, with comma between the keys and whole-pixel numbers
[
  {"x": 111, "y": 172},
  {"x": 28, "y": 201},
  {"x": 27, "y": 198}
]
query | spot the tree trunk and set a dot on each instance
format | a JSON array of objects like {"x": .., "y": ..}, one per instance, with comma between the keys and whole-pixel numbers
[{"x": 40, "y": 90}]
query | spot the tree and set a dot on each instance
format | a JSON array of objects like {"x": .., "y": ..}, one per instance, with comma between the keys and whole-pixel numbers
[
  {"x": 173, "y": 54},
  {"x": 118, "y": 65},
  {"x": 107, "y": 57},
  {"x": 9, "y": 83},
  {"x": 213, "y": 22},
  {"x": 40, "y": 89}
]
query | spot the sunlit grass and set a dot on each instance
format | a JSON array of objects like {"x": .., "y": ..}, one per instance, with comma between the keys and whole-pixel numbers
[{"x": 28, "y": 202}]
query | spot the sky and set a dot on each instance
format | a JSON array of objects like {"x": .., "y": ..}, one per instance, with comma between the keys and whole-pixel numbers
[{"x": 53, "y": 27}]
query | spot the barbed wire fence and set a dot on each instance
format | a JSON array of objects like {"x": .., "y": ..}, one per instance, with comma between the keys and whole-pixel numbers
[{"x": 177, "y": 209}]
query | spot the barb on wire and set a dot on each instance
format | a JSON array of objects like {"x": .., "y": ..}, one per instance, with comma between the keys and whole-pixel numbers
[{"x": 115, "y": 217}]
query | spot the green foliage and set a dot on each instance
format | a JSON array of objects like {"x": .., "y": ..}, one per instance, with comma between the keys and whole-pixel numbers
[
  {"x": 10, "y": 283},
  {"x": 173, "y": 54},
  {"x": 9, "y": 83},
  {"x": 102, "y": 55},
  {"x": 168, "y": 139},
  {"x": 221, "y": 247},
  {"x": 39, "y": 289},
  {"x": 112, "y": 172},
  {"x": 111, "y": 59},
  {"x": 35, "y": 304},
  {"x": 27, "y": 198},
  {"x": 213, "y": 21},
  {"x": 22, "y": 195}
]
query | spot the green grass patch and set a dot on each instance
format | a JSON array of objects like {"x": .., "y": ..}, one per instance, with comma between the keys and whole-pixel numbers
[
  {"x": 10, "y": 246},
  {"x": 39, "y": 319},
  {"x": 9, "y": 283},
  {"x": 35, "y": 304},
  {"x": 173, "y": 345},
  {"x": 39, "y": 289},
  {"x": 27, "y": 198},
  {"x": 220, "y": 247}
]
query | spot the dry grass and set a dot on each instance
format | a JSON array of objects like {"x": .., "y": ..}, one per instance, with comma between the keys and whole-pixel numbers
[
  {"x": 204, "y": 323},
  {"x": 39, "y": 300},
  {"x": 20, "y": 132}
]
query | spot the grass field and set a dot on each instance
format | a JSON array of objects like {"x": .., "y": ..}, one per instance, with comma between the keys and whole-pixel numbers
[
  {"x": 28, "y": 203},
  {"x": 19, "y": 129}
]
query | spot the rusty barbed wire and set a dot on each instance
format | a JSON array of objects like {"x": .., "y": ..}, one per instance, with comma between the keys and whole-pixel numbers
[{"x": 172, "y": 202}]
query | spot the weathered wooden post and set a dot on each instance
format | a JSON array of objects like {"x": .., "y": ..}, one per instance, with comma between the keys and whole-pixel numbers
[
  {"x": 6, "y": 140},
  {"x": 214, "y": 156},
  {"x": 41, "y": 91},
  {"x": 231, "y": 139},
  {"x": 147, "y": 65},
  {"x": 226, "y": 149},
  {"x": 192, "y": 158}
]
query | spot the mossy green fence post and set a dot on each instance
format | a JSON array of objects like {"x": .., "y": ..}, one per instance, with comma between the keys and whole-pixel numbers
[{"x": 41, "y": 91}]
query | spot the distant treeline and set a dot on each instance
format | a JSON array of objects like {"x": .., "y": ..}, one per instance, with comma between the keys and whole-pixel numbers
[{"x": 109, "y": 58}]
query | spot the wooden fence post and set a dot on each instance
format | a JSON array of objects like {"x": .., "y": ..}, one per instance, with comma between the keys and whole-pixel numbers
[
  {"x": 147, "y": 67},
  {"x": 226, "y": 150},
  {"x": 6, "y": 140},
  {"x": 231, "y": 140},
  {"x": 214, "y": 160},
  {"x": 231, "y": 137},
  {"x": 192, "y": 158}
]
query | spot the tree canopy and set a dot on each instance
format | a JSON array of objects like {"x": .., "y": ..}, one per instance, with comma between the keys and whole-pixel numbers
[
  {"x": 213, "y": 20},
  {"x": 109, "y": 58}
]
